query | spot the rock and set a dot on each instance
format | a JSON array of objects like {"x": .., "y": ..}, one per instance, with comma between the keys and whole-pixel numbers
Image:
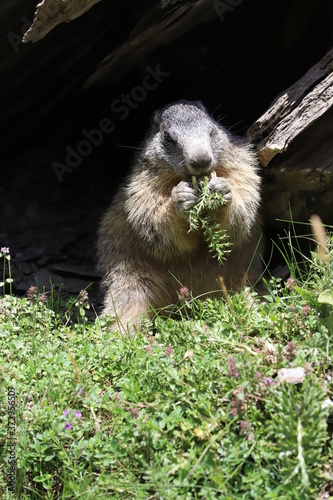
[
  {"x": 74, "y": 269},
  {"x": 292, "y": 375}
]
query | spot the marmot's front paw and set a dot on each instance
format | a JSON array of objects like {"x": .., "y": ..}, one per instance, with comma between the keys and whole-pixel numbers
[
  {"x": 222, "y": 185},
  {"x": 184, "y": 196}
]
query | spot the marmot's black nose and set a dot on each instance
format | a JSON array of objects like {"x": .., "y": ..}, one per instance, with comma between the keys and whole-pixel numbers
[{"x": 201, "y": 161}]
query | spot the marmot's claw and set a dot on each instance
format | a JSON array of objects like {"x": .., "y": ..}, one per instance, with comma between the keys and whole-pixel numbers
[
  {"x": 222, "y": 185},
  {"x": 184, "y": 196}
]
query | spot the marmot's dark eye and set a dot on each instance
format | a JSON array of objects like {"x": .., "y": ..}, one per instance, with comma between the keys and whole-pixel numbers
[
  {"x": 213, "y": 132},
  {"x": 168, "y": 138}
]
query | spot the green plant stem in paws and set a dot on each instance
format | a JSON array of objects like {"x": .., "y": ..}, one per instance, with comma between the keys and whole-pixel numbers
[{"x": 201, "y": 216}]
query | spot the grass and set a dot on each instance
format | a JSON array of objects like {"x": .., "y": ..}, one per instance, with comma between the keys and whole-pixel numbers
[{"x": 190, "y": 409}]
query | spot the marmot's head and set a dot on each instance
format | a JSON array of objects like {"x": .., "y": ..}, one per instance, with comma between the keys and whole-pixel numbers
[{"x": 186, "y": 138}]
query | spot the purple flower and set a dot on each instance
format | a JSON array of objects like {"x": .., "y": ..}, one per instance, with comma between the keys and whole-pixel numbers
[
  {"x": 68, "y": 426},
  {"x": 290, "y": 284},
  {"x": 245, "y": 425},
  {"x": 291, "y": 350},
  {"x": 134, "y": 412},
  {"x": 169, "y": 350},
  {"x": 306, "y": 310},
  {"x": 184, "y": 294},
  {"x": 4, "y": 250},
  {"x": 65, "y": 412},
  {"x": 78, "y": 414},
  {"x": 32, "y": 293},
  {"x": 269, "y": 381},
  {"x": 232, "y": 368},
  {"x": 80, "y": 391}
]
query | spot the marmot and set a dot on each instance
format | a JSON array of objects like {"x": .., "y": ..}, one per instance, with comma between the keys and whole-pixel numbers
[{"x": 144, "y": 248}]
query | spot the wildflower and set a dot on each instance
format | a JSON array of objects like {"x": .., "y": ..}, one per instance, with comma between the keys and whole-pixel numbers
[
  {"x": 134, "y": 412},
  {"x": 42, "y": 297},
  {"x": 32, "y": 293},
  {"x": 308, "y": 368},
  {"x": 78, "y": 414},
  {"x": 269, "y": 352},
  {"x": 269, "y": 382},
  {"x": 244, "y": 425},
  {"x": 306, "y": 310},
  {"x": 290, "y": 283},
  {"x": 2, "y": 306},
  {"x": 291, "y": 350},
  {"x": 232, "y": 368},
  {"x": 68, "y": 426},
  {"x": 80, "y": 391},
  {"x": 84, "y": 298},
  {"x": 251, "y": 436},
  {"x": 169, "y": 350},
  {"x": 152, "y": 341},
  {"x": 184, "y": 294},
  {"x": 238, "y": 402},
  {"x": 4, "y": 250},
  {"x": 65, "y": 412},
  {"x": 205, "y": 329}
]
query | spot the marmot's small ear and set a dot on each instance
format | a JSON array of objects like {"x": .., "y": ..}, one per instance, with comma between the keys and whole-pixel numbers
[
  {"x": 156, "y": 121},
  {"x": 199, "y": 105}
]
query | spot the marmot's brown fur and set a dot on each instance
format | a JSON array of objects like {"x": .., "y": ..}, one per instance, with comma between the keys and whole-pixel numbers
[{"x": 145, "y": 250}]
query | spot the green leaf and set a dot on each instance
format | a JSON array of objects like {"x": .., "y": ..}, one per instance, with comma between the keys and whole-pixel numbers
[
  {"x": 42, "y": 478},
  {"x": 329, "y": 323},
  {"x": 326, "y": 297},
  {"x": 308, "y": 296},
  {"x": 18, "y": 344}
]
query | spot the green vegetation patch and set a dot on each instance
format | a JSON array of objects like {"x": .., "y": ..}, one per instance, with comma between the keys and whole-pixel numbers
[
  {"x": 192, "y": 408},
  {"x": 203, "y": 216}
]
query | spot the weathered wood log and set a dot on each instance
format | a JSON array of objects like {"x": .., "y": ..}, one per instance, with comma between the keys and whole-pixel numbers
[
  {"x": 300, "y": 181},
  {"x": 154, "y": 25},
  {"x": 50, "y": 13},
  {"x": 294, "y": 142},
  {"x": 155, "y": 30},
  {"x": 295, "y": 110}
]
